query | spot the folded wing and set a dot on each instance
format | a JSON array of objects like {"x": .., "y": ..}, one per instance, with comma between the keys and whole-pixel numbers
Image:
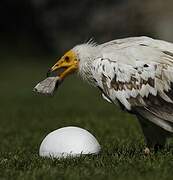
[{"x": 139, "y": 77}]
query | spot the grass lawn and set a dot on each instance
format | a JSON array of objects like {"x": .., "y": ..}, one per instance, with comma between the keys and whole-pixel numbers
[{"x": 25, "y": 119}]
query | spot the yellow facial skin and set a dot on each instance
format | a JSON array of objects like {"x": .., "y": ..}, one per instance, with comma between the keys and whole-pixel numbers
[{"x": 69, "y": 62}]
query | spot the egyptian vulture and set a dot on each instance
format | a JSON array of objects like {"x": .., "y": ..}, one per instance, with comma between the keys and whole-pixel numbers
[{"x": 134, "y": 73}]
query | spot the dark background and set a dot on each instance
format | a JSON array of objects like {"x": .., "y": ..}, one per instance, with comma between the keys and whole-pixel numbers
[{"x": 33, "y": 27}]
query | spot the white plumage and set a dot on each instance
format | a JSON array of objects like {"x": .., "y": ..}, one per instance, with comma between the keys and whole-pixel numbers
[
  {"x": 137, "y": 73},
  {"x": 131, "y": 67}
]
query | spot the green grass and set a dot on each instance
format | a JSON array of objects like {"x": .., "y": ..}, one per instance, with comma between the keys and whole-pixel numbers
[{"x": 25, "y": 119}]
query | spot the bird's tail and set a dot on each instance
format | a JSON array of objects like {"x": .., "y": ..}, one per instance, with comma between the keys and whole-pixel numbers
[{"x": 158, "y": 116}]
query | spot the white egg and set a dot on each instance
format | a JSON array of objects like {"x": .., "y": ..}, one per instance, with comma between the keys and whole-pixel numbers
[{"x": 69, "y": 141}]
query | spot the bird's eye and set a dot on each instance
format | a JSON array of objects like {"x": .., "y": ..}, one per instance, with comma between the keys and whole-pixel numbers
[{"x": 67, "y": 59}]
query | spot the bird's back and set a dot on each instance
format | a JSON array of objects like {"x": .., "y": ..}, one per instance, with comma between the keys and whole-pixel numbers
[
  {"x": 135, "y": 41},
  {"x": 146, "y": 49}
]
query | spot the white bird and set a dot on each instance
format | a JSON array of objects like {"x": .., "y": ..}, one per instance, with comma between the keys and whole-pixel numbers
[{"x": 136, "y": 73}]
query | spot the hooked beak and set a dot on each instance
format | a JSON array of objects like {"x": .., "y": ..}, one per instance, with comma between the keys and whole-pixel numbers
[{"x": 68, "y": 64}]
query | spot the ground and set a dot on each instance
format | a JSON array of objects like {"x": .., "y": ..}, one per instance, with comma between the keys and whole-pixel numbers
[{"x": 27, "y": 118}]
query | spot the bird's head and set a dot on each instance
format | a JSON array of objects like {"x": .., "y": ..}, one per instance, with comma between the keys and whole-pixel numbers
[
  {"x": 77, "y": 59},
  {"x": 66, "y": 65}
]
